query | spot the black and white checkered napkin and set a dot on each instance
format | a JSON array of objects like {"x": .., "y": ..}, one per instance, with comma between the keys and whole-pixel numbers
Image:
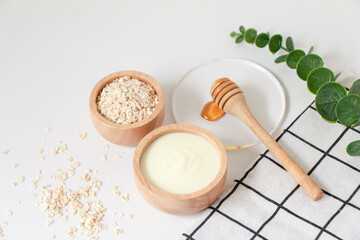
[{"x": 267, "y": 203}]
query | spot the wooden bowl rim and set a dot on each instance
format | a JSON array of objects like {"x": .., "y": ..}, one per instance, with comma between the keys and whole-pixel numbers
[
  {"x": 181, "y": 128},
  {"x": 133, "y": 74}
]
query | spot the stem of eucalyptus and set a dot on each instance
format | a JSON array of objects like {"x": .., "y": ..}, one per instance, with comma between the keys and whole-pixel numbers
[{"x": 285, "y": 49}]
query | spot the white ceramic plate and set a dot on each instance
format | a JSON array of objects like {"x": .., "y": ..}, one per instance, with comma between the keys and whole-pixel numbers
[{"x": 264, "y": 94}]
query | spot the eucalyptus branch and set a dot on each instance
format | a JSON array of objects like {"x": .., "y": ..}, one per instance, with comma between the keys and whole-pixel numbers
[{"x": 333, "y": 102}]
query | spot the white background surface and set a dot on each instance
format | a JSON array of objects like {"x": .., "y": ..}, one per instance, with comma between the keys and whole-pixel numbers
[{"x": 53, "y": 52}]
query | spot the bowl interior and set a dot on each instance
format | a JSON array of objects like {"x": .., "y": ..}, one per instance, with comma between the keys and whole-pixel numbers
[
  {"x": 136, "y": 75},
  {"x": 176, "y": 128}
]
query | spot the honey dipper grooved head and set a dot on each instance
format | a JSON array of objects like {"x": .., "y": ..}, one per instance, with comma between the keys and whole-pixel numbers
[{"x": 222, "y": 90}]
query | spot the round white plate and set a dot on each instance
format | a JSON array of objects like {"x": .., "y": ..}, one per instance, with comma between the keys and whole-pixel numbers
[{"x": 264, "y": 95}]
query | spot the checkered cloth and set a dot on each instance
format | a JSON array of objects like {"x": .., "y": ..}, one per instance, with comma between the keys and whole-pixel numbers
[{"x": 267, "y": 203}]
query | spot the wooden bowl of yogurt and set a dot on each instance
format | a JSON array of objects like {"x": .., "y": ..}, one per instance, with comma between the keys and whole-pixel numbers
[
  {"x": 180, "y": 168},
  {"x": 116, "y": 102}
]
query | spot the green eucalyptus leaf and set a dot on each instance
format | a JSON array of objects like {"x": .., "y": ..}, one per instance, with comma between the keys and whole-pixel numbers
[
  {"x": 275, "y": 43},
  {"x": 348, "y": 109},
  {"x": 262, "y": 40},
  {"x": 353, "y": 149},
  {"x": 242, "y": 29},
  {"x": 281, "y": 59},
  {"x": 239, "y": 39},
  {"x": 337, "y": 75},
  {"x": 293, "y": 58},
  {"x": 233, "y": 34},
  {"x": 306, "y": 64},
  {"x": 289, "y": 44},
  {"x": 311, "y": 50},
  {"x": 356, "y": 124},
  {"x": 250, "y": 35},
  {"x": 318, "y": 77},
  {"x": 355, "y": 88},
  {"x": 326, "y": 99}
]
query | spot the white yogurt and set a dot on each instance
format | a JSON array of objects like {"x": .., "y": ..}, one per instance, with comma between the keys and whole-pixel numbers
[{"x": 180, "y": 163}]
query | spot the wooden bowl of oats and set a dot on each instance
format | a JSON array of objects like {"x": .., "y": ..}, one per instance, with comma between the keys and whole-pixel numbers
[{"x": 127, "y": 105}]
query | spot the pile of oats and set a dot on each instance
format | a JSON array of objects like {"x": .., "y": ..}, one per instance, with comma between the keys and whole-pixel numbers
[
  {"x": 126, "y": 100},
  {"x": 83, "y": 202},
  {"x": 59, "y": 201}
]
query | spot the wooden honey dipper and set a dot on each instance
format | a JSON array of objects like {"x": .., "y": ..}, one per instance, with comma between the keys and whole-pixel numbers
[{"x": 229, "y": 98}]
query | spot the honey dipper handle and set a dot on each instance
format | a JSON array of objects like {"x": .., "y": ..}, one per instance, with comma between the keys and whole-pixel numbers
[{"x": 244, "y": 114}]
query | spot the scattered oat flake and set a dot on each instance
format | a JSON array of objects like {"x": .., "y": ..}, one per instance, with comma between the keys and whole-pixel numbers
[
  {"x": 39, "y": 172},
  {"x": 115, "y": 188},
  {"x": 49, "y": 222},
  {"x": 41, "y": 150},
  {"x": 114, "y": 224},
  {"x": 14, "y": 184},
  {"x": 125, "y": 197},
  {"x": 75, "y": 165},
  {"x": 8, "y": 213},
  {"x": 42, "y": 157},
  {"x": 4, "y": 223},
  {"x": 52, "y": 237},
  {"x": 20, "y": 179},
  {"x": 70, "y": 159},
  {"x": 106, "y": 146},
  {"x": 117, "y": 193},
  {"x": 54, "y": 151},
  {"x": 121, "y": 214},
  {"x": 104, "y": 157},
  {"x": 85, "y": 177},
  {"x": 15, "y": 165},
  {"x": 131, "y": 216},
  {"x": 82, "y": 135},
  {"x": 118, "y": 231},
  {"x": 47, "y": 129},
  {"x": 5, "y": 152},
  {"x": 64, "y": 219},
  {"x": 63, "y": 147},
  {"x": 72, "y": 230}
]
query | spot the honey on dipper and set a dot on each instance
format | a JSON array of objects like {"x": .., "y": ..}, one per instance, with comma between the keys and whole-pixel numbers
[{"x": 211, "y": 111}]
